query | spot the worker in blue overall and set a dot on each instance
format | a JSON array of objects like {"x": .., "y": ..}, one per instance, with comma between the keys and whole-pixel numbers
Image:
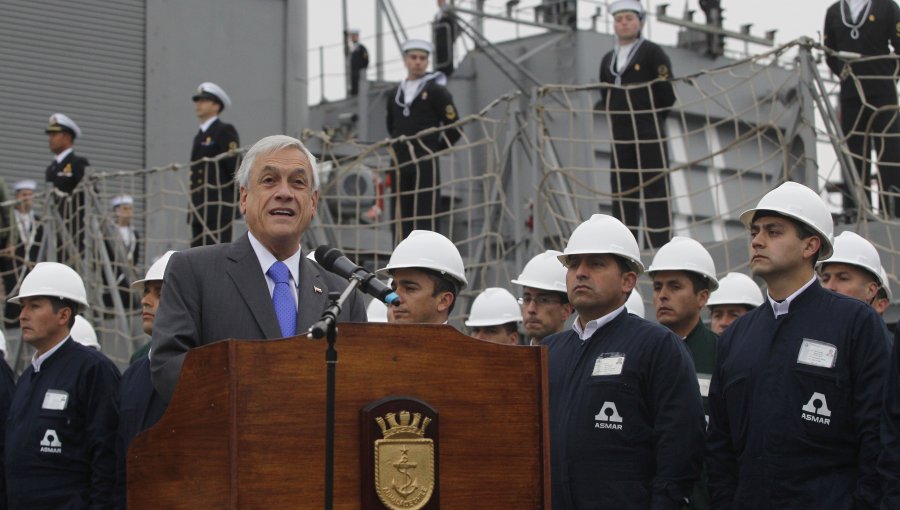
[
  {"x": 796, "y": 396},
  {"x": 62, "y": 422},
  {"x": 626, "y": 423}
]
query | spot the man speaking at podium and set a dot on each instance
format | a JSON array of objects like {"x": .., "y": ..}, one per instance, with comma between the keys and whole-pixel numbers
[{"x": 259, "y": 286}]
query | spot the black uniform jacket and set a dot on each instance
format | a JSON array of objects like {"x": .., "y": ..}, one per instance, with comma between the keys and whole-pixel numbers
[
  {"x": 212, "y": 182},
  {"x": 881, "y": 27},
  {"x": 642, "y": 107},
  {"x": 431, "y": 108},
  {"x": 66, "y": 174},
  {"x": 626, "y": 432},
  {"x": 60, "y": 435},
  {"x": 795, "y": 406}
]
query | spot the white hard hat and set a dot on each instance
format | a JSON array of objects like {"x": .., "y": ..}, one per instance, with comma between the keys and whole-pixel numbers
[
  {"x": 626, "y": 5},
  {"x": 424, "y": 249},
  {"x": 603, "y": 234},
  {"x": 685, "y": 254},
  {"x": 52, "y": 279},
  {"x": 209, "y": 90},
  {"x": 60, "y": 122},
  {"x": 635, "y": 304},
  {"x": 544, "y": 271},
  {"x": 800, "y": 203},
  {"x": 3, "y": 343},
  {"x": 417, "y": 44},
  {"x": 886, "y": 284},
  {"x": 377, "y": 311},
  {"x": 157, "y": 269},
  {"x": 851, "y": 248},
  {"x": 494, "y": 307},
  {"x": 83, "y": 333},
  {"x": 736, "y": 289}
]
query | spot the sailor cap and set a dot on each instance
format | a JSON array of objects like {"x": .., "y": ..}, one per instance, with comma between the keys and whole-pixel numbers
[
  {"x": 122, "y": 200},
  {"x": 626, "y": 5},
  {"x": 209, "y": 90},
  {"x": 23, "y": 185},
  {"x": 62, "y": 123},
  {"x": 417, "y": 44}
]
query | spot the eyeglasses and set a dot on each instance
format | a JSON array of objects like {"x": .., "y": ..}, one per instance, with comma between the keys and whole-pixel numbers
[{"x": 539, "y": 300}]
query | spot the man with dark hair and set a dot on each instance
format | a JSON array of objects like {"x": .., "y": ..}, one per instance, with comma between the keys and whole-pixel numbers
[
  {"x": 495, "y": 317},
  {"x": 427, "y": 273},
  {"x": 868, "y": 92},
  {"x": 626, "y": 422},
  {"x": 796, "y": 395},
  {"x": 212, "y": 183},
  {"x": 545, "y": 305},
  {"x": 420, "y": 102},
  {"x": 61, "y": 428},
  {"x": 684, "y": 274},
  {"x": 637, "y": 117}
]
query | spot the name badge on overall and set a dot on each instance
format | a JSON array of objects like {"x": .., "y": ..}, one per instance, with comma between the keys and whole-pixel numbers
[
  {"x": 817, "y": 354},
  {"x": 609, "y": 364},
  {"x": 55, "y": 400}
]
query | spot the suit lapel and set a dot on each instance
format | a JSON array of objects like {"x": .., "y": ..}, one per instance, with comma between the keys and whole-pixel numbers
[
  {"x": 312, "y": 294},
  {"x": 251, "y": 284}
]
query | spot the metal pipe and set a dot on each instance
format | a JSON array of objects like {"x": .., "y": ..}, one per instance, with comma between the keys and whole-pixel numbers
[
  {"x": 379, "y": 42},
  {"x": 296, "y": 76},
  {"x": 479, "y": 15}
]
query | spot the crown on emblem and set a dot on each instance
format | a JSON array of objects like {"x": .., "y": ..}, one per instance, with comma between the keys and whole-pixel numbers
[{"x": 403, "y": 429}]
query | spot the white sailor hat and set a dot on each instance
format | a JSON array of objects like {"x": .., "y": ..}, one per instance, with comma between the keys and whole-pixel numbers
[
  {"x": 209, "y": 90},
  {"x": 417, "y": 44},
  {"x": 61, "y": 123},
  {"x": 122, "y": 200},
  {"x": 353, "y": 31},
  {"x": 626, "y": 5},
  {"x": 23, "y": 185}
]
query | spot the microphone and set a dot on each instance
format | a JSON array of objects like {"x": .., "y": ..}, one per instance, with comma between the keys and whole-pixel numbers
[{"x": 335, "y": 261}]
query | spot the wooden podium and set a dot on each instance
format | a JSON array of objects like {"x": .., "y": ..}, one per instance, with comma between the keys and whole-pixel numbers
[{"x": 246, "y": 426}]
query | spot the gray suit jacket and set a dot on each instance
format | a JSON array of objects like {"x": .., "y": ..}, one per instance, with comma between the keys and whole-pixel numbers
[{"x": 217, "y": 292}]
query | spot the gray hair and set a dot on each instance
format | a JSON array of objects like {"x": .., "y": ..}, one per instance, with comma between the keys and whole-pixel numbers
[{"x": 269, "y": 145}]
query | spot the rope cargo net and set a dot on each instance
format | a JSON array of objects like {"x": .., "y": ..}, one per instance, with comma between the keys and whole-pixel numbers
[{"x": 526, "y": 171}]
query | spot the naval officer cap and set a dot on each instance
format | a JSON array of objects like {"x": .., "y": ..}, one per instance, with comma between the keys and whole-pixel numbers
[
  {"x": 417, "y": 44},
  {"x": 209, "y": 90},
  {"x": 122, "y": 200},
  {"x": 24, "y": 184},
  {"x": 61, "y": 123}
]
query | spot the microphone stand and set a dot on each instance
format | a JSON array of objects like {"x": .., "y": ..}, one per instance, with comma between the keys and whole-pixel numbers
[{"x": 327, "y": 326}]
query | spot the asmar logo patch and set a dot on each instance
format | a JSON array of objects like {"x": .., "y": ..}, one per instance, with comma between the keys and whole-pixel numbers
[
  {"x": 816, "y": 410},
  {"x": 608, "y": 417},
  {"x": 51, "y": 443}
]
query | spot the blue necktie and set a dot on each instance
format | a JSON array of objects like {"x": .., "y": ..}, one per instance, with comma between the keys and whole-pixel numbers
[{"x": 283, "y": 299}]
